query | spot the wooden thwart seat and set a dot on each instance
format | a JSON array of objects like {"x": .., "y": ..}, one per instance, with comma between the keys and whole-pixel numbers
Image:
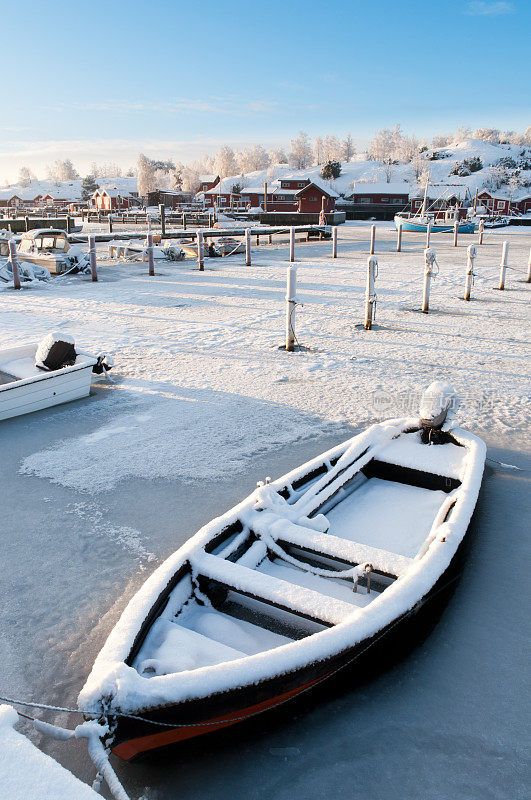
[
  {"x": 327, "y": 544},
  {"x": 274, "y": 591}
]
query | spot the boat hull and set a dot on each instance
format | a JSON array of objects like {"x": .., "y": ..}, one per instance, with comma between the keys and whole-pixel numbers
[
  {"x": 135, "y": 739},
  {"x": 421, "y": 227}
]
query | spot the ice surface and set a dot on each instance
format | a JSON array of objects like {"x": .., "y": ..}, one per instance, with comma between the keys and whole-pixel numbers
[{"x": 388, "y": 515}]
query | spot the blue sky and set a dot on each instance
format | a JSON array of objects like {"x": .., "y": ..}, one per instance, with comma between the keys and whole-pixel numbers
[{"x": 105, "y": 80}]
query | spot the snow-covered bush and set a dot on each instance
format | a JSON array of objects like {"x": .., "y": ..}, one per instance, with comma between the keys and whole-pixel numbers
[{"x": 331, "y": 170}]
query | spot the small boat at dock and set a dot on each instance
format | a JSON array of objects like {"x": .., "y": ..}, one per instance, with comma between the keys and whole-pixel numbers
[{"x": 333, "y": 562}]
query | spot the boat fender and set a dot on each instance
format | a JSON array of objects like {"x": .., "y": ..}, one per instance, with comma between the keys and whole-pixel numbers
[
  {"x": 55, "y": 351},
  {"x": 438, "y": 403}
]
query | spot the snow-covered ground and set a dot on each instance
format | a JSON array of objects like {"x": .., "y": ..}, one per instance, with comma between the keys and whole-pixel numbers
[{"x": 97, "y": 492}]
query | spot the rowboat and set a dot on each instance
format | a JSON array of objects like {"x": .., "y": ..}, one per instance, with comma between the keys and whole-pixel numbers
[
  {"x": 419, "y": 224},
  {"x": 309, "y": 574},
  {"x": 28, "y": 384}
]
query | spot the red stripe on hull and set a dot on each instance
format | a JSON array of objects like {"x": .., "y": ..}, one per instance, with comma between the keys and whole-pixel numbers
[{"x": 133, "y": 747}]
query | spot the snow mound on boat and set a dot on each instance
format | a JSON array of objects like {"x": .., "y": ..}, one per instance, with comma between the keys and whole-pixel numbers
[{"x": 173, "y": 438}]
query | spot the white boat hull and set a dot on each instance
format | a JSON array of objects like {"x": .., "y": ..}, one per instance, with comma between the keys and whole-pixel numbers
[{"x": 33, "y": 390}]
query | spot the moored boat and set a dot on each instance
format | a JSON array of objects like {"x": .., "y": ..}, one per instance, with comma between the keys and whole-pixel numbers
[
  {"x": 420, "y": 224},
  {"x": 293, "y": 584},
  {"x": 40, "y": 375}
]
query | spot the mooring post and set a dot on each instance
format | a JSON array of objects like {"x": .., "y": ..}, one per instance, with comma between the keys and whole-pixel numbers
[
  {"x": 291, "y": 304},
  {"x": 503, "y": 265},
  {"x": 247, "y": 247},
  {"x": 109, "y": 220},
  {"x": 26, "y": 224},
  {"x": 429, "y": 261},
  {"x": 292, "y": 244},
  {"x": 258, "y": 240},
  {"x": 151, "y": 260},
  {"x": 481, "y": 230},
  {"x": 456, "y": 228},
  {"x": 14, "y": 264},
  {"x": 373, "y": 239},
  {"x": 334, "y": 241},
  {"x": 92, "y": 258},
  {"x": 528, "y": 279},
  {"x": 399, "y": 239},
  {"x": 472, "y": 252},
  {"x": 184, "y": 221},
  {"x": 270, "y": 238},
  {"x": 428, "y": 234},
  {"x": 200, "y": 250},
  {"x": 162, "y": 212},
  {"x": 370, "y": 294}
]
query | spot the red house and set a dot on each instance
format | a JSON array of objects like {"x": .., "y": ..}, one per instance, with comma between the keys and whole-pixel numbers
[
  {"x": 301, "y": 195},
  {"x": 495, "y": 203},
  {"x": 111, "y": 198},
  {"x": 522, "y": 203},
  {"x": 207, "y": 182}
]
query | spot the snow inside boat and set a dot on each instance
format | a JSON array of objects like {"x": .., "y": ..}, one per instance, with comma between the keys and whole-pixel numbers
[
  {"x": 50, "y": 248},
  {"x": 291, "y": 585},
  {"x": 26, "y": 387}
]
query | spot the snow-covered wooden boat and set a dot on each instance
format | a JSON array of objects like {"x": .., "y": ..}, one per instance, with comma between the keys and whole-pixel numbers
[
  {"x": 307, "y": 575},
  {"x": 26, "y": 387}
]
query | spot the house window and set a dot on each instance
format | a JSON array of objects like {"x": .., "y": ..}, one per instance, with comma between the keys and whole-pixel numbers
[
  {"x": 398, "y": 200},
  {"x": 384, "y": 199},
  {"x": 313, "y": 199},
  {"x": 364, "y": 200},
  {"x": 501, "y": 203},
  {"x": 300, "y": 184}
]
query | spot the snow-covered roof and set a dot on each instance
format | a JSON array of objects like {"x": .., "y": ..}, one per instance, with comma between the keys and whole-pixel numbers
[
  {"x": 207, "y": 178},
  {"x": 359, "y": 187}
]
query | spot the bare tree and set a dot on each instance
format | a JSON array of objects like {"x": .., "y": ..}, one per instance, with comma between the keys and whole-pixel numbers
[
  {"x": 318, "y": 150},
  {"x": 225, "y": 162},
  {"x": 25, "y": 177},
  {"x": 61, "y": 171},
  {"x": 300, "y": 155},
  {"x": 278, "y": 156},
  {"x": 348, "y": 151},
  {"x": 146, "y": 175}
]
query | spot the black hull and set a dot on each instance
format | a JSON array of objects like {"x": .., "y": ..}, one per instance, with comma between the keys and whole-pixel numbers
[{"x": 136, "y": 738}]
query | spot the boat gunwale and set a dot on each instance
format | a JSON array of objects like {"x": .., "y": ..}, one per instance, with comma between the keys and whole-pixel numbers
[{"x": 86, "y": 362}]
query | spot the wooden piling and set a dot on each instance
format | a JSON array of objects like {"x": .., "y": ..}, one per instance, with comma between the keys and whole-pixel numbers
[
  {"x": 291, "y": 304},
  {"x": 151, "y": 259},
  {"x": 200, "y": 250},
  {"x": 528, "y": 279},
  {"x": 109, "y": 220},
  {"x": 481, "y": 230},
  {"x": 247, "y": 247},
  {"x": 429, "y": 259},
  {"x": 370, "y": 294},
  {"x": 399, "y": 239},
  {"x": 471, "y": 255},
  {"x": 92, "y": 258},
  {"x": 292, "y": 244},
  {"x": 428, "y": 234},
  {"x": 14, "y": 264},
  {"x": 334, "y": 241},
  {"x": 456, "y": 229},
  {"x": 373, "y": 239},
  {"x": 184, "y": 221},
  {"x": 162, "y": 212},
  {"x": 265, "y": 197},
  {"x": 503, "y": 265}
]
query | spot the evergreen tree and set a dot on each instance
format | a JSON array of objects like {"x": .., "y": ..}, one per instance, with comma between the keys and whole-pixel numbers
[
  {"x": 88, "y": 187},
  {"x": 331, "y": 170}
]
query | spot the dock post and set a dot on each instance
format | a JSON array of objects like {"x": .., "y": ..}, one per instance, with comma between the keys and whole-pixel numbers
[
  {"x": 184, "y": 221},
  {"x": 247, "y": 247},
  {"x": 14, "y": 264},
  {"x": 503, "y": 265},
  {"x": 399, "y": 239},
  {"x": 428, "y": 234},
  {"x": 109, "y": 220},
  {"x": 258, "y": 240},
  {"x": 429, "y": 261},
  {"x": 370, "y": 294},
  {"x": 373, "y": 239},
  {"x": 291, "y": 304},
  {"x": 334, "y": 241},
  {"x": 200, "y": 250},
  {"x": 292, "y": 244},
  {"x": 270, "y": 239},
  {"x": 162, "y": 212},
  {"x": 456, "y": 228},
  {"x": 471, "y": 252},
  {"x": 528, "y": 279},
  {"x": 26, "y": 225},
  {"x": 481, "y": 230},
  {"x": 92, "y": 257},
  {"x": 151, "y": 260}
]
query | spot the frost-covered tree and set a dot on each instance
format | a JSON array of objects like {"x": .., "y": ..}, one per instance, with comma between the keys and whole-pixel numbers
[
  {"x": 146, "y": 175},
  {"x": 318, "y": 150},
  {"x": 88, "y": 187},
  {"x": 491, "y": 135},
  {"x": 225, "y": 162},
  {"x": 278, "y": 156},
  {"x": 300, "y": 155},
  {"x": 440, "y": 140},
  {"x": 462, "y": 133},
  {"x": 62, "y": 171},
  {"x": 25, "y": 176},
  {"x": 348, "y": 151},
  {"x": 331, "y": 149},
  {"x": 252, "y": 159}
]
